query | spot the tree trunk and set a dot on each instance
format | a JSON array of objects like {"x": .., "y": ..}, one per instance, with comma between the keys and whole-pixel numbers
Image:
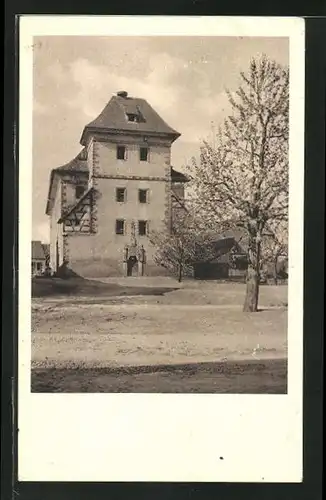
[
  {"x": 180, "y": 272},
  {"x": 275, "y": 272},
  {"x": 252, "y": 290},
  {"x": 253, "y": 277}
]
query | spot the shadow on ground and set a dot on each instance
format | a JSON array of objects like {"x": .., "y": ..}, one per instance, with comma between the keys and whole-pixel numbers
[
  {"x": 237, "y": 377},
  {"x": 77, "y": 286}
]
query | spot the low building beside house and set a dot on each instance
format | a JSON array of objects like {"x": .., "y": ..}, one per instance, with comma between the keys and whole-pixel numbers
[
  {"x": 40, "y": 258},
  {"x": 277, "y": 270},
  {"x": 228, "y": 259}
]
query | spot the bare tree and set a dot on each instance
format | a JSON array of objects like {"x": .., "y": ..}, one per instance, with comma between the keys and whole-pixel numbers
[
  {"x": 188, "y": 242},
  {"x": 242, "y": 180},
  {"x": 174, "y": 248}
]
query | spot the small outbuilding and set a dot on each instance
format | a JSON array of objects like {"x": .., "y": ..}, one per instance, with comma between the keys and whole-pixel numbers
[
  {"x": 39, "y": 258},
  {"x": 227, "y": 260}
]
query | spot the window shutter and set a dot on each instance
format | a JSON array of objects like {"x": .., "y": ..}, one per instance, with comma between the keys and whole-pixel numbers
[
  {"x": 125, "y": 254},
  {"x": 143, "y": 255}
]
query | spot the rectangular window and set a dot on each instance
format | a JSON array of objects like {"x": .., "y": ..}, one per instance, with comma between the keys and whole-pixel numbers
[
  {"x": 119, "y": 226},
  {"x": 79, "y": 191},
  {"x": 120, "y": 195},
  {"x": 121, "y": 152},
  {"x": 142, "y": 195},
  {"x": 39, "y": 266},
  {"x": 142, "y": 227},
  {"x": 132, "y": 117},
  {"x": 143, "y": 154}
]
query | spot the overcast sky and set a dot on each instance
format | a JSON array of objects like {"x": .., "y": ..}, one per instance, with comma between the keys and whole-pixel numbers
[{"x": 183, "y": 78}]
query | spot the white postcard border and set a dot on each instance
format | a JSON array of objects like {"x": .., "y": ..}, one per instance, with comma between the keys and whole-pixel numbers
[{"x": 162, "y": 437}]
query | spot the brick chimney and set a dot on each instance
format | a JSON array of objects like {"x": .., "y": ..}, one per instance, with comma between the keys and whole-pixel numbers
[{"x": 122, "y": 93}]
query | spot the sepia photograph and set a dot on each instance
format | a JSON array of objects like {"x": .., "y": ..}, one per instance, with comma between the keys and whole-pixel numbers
[
  {"x": 161, "y": 248},
  {"x": 160, "y": 214}
]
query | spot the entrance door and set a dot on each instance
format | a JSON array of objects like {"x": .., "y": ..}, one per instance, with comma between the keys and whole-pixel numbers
[{"x": 132, "y": 266}]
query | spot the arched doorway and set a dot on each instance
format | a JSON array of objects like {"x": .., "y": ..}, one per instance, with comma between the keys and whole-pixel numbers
[{"x": 132, "y": 266}]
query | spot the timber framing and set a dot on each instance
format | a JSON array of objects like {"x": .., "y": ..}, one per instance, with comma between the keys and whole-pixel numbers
[{"x": 78, "y": 218}]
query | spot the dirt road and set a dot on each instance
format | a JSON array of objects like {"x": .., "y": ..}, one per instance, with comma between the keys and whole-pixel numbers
[
  {"x": 84, "y": 343},
  {"x": 101, "y": 336}
]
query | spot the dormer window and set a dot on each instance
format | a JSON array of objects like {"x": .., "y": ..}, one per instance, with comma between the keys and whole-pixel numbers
[
  {"x": 132, "y": 117},
  {"x": 133, "y": 113}
]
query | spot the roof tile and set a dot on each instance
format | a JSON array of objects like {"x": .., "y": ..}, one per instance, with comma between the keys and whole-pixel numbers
[
  {"x": 78, "y": 164},
  {"x": 114, "y": 117}
]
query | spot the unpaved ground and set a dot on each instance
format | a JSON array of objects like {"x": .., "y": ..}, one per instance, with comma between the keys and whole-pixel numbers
[
  {"x": 110, "y": 335},
  {"x": 199, "y": 323},
  {"x": 187, "y": 293}
]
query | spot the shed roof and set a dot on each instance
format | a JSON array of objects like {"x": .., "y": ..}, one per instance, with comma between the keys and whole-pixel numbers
[
  {"x": 177, "y": 176},
  {"x": 75, "y": 205},
  {"x": 77, "y": 165}
]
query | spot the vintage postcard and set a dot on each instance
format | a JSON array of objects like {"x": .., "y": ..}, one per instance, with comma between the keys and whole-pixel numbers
[{"x": 161, "y": 165}]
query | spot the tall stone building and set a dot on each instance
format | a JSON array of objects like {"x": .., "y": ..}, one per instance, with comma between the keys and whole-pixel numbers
[{"x": 103, "y": 204}]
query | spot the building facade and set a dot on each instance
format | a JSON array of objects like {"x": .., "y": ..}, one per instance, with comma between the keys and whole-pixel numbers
[{"x": 103, "y": 204}]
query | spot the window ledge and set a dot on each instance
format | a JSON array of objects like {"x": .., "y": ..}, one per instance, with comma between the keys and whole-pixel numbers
[{"x": 79, "y": 233}]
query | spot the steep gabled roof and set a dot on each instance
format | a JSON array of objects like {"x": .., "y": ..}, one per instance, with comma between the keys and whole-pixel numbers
[
  {"x": 222, "y": 248},
  {"x": 217, "y": 250},
  {"x": 78, "y": 166},
  {"x": 114, "y": 118},
  {"x": 37, "y": 251},
  {"x": 240, "y": 239}
]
